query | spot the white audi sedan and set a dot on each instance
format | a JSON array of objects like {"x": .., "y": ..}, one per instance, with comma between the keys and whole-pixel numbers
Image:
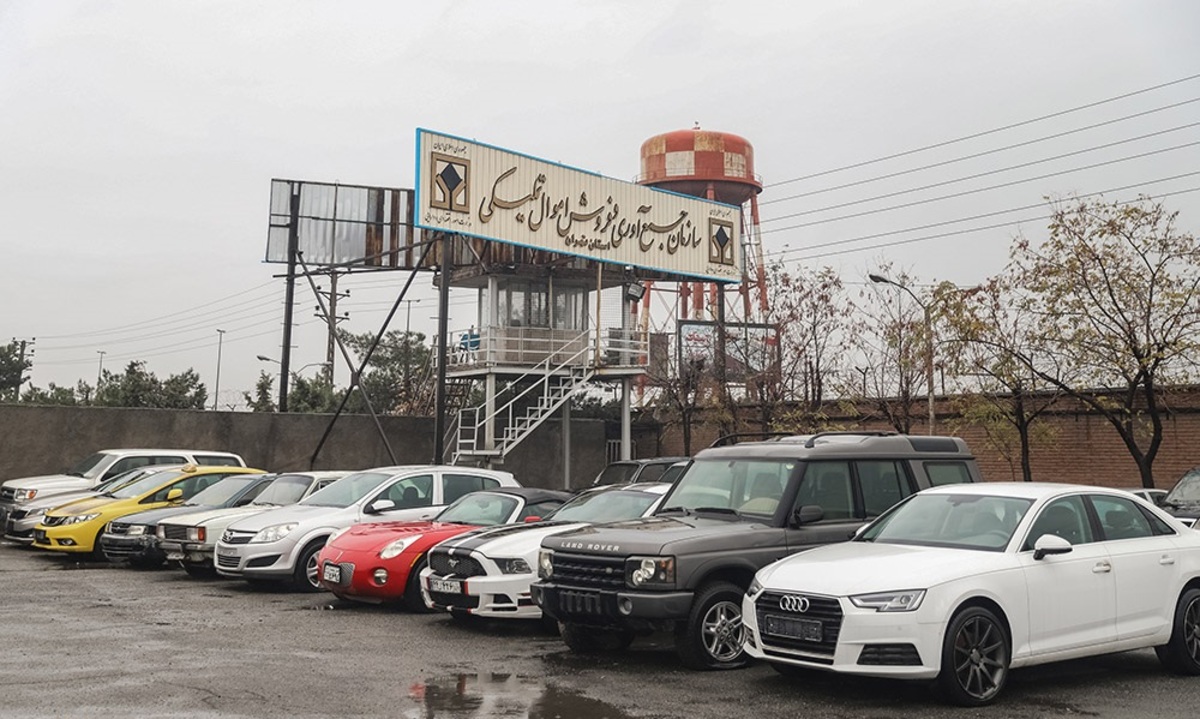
[{"x": 962, "y": 583}]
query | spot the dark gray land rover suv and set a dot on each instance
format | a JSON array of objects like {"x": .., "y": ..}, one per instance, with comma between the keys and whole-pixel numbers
[{"x": 734, "y": 510}]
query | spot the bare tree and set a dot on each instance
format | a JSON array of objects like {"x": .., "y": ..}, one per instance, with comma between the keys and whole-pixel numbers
[{"x": 1115, "y": 289}]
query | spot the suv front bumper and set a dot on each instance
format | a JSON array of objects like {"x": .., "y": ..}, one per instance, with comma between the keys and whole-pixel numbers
[
  {"x": 635, "y": 610},
  {"x": 126, "y": 548}
]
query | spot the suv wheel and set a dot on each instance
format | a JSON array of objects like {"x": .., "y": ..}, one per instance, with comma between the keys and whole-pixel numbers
[
  {"x": 307, "y": 575},
  {"x": 713, "y": 634},
  {"x": 582, "y": 639}
]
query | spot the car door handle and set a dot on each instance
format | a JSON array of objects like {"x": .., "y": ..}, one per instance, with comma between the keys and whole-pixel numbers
[
  {"x": 1101, "y": 568},
  {"x": 1166, "y": 560}
]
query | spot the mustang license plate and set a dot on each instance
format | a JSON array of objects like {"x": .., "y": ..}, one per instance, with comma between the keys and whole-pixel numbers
[
  {"x": 445, "y": 586},
  {"x": 332, "y": 573},
  {"x": 807, "y": 630}
]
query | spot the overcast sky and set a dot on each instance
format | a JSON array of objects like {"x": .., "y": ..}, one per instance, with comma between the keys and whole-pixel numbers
[{"x": 138, "y": 139}]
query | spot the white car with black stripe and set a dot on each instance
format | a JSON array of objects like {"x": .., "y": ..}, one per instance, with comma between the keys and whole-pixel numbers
[{"x": 487, "y": 572}]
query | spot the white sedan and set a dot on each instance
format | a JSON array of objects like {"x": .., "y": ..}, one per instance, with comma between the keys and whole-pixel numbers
[{"x": 961, "y": 583}]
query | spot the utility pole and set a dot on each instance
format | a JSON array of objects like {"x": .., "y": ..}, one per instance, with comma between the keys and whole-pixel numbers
[
  {"x": 217, "y": 385},
  {"x": 285, "y": 361},
  {"x": 332, "y": 319},
  {"x": 100, "y": 369}
]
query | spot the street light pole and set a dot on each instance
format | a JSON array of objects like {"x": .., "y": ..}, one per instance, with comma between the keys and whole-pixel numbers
[
  {"x": 217, "y": 384},
  {"x": 928, "y": 341}
]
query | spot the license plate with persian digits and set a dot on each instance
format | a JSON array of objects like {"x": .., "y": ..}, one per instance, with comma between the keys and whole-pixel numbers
[
  {"x": 332, "y": 573},
  {"x": 807, "y": 630},
  {"x": 445, "y": 586}
]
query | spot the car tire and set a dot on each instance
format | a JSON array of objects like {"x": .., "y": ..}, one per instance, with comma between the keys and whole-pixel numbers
[
  {"x": 97, "y": 554},
  {"x": 713, "y": 635},
  {"x": 1181, "y": 653},
  {"x": 305, "y": 576},
  {"x": 975, "y": 656},
  {"x": 583, "y": 639},
  {"x": 200, "y": 571},
  {"x": 412, "y": 599}
]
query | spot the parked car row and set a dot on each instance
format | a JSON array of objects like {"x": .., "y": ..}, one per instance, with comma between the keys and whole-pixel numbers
[{"x": 866, "y": 553}]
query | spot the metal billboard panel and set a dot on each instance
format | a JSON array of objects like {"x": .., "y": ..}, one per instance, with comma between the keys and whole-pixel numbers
[
  {"x": 349, "y": 225},
  {"x": 482, "y": 191}
]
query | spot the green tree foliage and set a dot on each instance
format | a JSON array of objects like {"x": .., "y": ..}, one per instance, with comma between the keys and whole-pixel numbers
[
  {"x": 264, "y": 391},
  {"x": 138, "y": 387},
  {"x": 1115, "y": 290},
  {"x": 54, "y": 395},
  {"x": 13, "y": 368},
  {"x": 398, "y": 376}
]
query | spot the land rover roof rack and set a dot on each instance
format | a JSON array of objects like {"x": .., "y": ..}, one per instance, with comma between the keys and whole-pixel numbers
[
  {"x": 728, "y": 439},
  {"x": 852, "y": 433}
]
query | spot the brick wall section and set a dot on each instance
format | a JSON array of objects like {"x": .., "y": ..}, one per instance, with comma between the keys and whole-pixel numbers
[{"x": 1085, "y": 449}]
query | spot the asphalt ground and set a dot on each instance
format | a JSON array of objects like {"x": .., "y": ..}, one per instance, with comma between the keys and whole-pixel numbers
[{"x": 92, "y": 640}]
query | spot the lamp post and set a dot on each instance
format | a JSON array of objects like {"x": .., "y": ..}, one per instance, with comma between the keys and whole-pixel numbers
[
  {"x": 880, "y": 279},
  {"x": 217, "y": 384}
]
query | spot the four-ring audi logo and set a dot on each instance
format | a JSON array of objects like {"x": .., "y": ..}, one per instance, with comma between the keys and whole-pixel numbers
[{"x": 793, "y": 603}]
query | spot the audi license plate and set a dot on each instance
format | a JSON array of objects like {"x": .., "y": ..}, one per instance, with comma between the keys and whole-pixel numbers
[
  {"x": 332, "y": 573},
  {"x": 807, "y": 630},
  {"x": 445, "y": 586}
]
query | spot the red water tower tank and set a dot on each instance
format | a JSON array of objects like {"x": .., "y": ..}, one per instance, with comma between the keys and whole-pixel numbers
[{"x": 701, "y": 163}]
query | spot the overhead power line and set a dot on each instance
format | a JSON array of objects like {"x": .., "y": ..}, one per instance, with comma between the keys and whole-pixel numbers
[
  {"x": 977, "y": 190},
  {"x": 984, "y": 133},
  {"x": 976, "y": 155}
]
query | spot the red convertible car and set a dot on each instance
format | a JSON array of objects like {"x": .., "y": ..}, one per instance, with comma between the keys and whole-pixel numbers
[{"x": 382, "y": 561}]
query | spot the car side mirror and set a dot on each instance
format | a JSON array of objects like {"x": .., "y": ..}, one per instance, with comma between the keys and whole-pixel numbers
[
  {"x": 1050, "y": 544},
  {"x": 379, "y": 505},
  {"x": 175, "y": 494},
  {"x": 808, "y": 514},
  {"x": 532, "y": 519}
]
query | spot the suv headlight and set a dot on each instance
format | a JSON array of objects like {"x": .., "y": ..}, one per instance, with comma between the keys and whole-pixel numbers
[
  {"x": 395, "y": 548},
  {"x": 80, "y": 518},
  {"x": 906, "y": 600},
  {"x": 274, "y": 533},
  {"x": 545, "y": 563},
  {"x": 196, "y": 534},
  {"x": 513, "y": 566},
  {"x": 24, "y": 495},
  {"x": 35, "y": 512},
  {"x": 136, "y": 530},
  {"x": 644, "y": 572}
]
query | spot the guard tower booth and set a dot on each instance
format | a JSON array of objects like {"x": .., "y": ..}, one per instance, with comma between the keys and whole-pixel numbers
[{"x": 558, "y": 259}]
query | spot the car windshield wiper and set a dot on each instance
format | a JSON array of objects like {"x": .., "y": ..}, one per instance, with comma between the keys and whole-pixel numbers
[
  {"x": 672, "y": 510},
  {"x": 718, "y": 510}
]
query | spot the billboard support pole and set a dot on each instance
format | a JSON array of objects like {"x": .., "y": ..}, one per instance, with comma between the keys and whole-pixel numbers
[
  {"x": 289, "y": 300},
  {"x": 439, "y": 401}
]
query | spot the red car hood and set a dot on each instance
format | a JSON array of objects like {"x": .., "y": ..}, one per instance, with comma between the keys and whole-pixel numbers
[{"x": 374, "y": 536}]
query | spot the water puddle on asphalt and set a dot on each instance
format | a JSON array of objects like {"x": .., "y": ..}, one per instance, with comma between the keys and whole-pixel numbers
[{"x": 501, "y": 695}]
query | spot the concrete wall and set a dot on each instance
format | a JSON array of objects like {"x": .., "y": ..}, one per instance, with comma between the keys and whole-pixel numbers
[{"x": 43, "y": 440}]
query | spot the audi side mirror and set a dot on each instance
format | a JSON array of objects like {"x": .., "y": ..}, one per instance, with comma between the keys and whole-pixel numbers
[{"x": 1050, "y": 544}]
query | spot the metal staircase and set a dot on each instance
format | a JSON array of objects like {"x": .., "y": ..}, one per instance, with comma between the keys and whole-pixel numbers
[{"x": 548, "y": 386}]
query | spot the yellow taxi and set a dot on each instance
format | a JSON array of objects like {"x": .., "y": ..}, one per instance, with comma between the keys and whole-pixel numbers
[{"x": 77, "y": 526}]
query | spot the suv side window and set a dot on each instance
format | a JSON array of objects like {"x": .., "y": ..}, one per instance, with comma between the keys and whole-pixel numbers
[
  {"x": 944, "y": 472},
  {"x": 827, "y": 484},
  {"x": 456, "y": 485},
  {"x": 651, "y": 472},
  {"x": 883, "y": 483},
  {"x": 411, "y": 492}
]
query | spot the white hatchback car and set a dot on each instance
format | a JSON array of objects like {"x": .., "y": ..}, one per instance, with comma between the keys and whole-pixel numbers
[
  {"x": 282, "y": 544},
  {"x": 487, "y": 572},
  {"x": 961, "y": 583}
]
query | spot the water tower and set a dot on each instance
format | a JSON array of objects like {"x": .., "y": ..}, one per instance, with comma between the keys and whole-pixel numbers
[{"x": 716, "y": 166}]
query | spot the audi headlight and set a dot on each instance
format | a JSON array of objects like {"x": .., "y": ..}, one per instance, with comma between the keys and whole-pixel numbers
[
  {"x": 80, "y": 518},
  {"x": 395, "y": 548},
  {"x": 513, "y": 566},
  {"x": 650, "y": 571},
  {"x": 24, "y": 495},
  {"x": 755, "y": 587},
  {"x": 136, "y": 530},
  {"x": 545, "y": 563},
  {"x": 196, "y": 534},
  {"x": 274, "y": 533},
  {"x": 905, "y": 600}
]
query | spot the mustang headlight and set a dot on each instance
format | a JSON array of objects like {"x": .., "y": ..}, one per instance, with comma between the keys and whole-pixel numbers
[
  {"x": 395, "y": 548},
  {"x": 24, "y": 495},
  {"x": 650, "y": 572},
  {"x": 905, "y": 600},
  {"x": 274, "y": 533},
  {"x": 545, "y": 563},
  {"x": 80, "y": 518},
  {"x": 513, "y": 566}
]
